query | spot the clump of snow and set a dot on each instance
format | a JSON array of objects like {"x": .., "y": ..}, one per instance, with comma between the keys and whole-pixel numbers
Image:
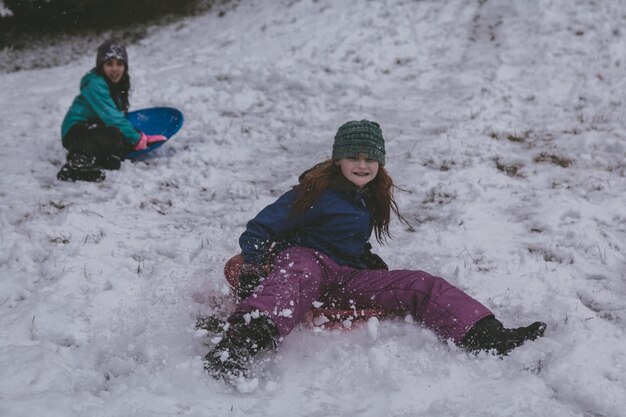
[
  {"x": 504, "y": 128},
  {"x": 372, "y": 327},
  {"x": 4, "y": 11}
]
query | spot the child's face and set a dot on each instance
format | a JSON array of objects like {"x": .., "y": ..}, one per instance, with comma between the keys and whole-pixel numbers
[
  {"x": 114, "y": 69},
  {"x": 359, "y": 171}
]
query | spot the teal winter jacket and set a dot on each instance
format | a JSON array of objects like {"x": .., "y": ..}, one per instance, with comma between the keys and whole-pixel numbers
[{"x": 94, "y": 104}]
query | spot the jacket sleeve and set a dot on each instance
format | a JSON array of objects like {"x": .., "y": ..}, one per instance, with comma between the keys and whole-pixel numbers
[
  {"x": 96, "y": 92},
  {"x": 272, "y": 223}
]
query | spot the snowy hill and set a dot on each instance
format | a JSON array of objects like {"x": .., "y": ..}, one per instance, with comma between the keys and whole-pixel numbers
[{"x": 505, "y": 127}]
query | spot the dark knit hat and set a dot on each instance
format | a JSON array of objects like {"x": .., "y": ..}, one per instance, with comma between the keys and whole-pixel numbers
[
  {"x": 111, "y": 48},
  {"x": 357, "y": 138}
]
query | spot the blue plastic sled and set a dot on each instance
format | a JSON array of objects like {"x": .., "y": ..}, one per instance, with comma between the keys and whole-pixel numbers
[{"x": 164, "y": 121}]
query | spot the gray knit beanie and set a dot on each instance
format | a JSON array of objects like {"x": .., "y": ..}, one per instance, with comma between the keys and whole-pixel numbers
[
  {"x": 111, "y": 48},
  {"x": 357, "y": 138}
]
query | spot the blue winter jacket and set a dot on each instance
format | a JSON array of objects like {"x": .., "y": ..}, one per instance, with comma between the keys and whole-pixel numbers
[{"x": 339, "y": 225}]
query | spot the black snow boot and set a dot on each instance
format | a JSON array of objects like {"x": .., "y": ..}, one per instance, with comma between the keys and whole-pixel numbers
[
  {"x": 81, "y": 167},
  {"x": 231, "y": 358},
  {"x": 489, "y": 334},
  {"x": 110, "y": 162}
]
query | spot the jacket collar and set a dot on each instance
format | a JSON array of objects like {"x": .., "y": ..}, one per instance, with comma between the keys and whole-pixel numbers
[{"x": 342, "y": 185}]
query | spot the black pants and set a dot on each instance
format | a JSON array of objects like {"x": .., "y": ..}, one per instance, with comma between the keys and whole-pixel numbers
[{"x": 105, "y": 143}]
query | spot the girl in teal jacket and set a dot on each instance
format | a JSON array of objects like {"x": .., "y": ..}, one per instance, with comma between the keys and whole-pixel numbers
[{"x": 95, "y": 130}]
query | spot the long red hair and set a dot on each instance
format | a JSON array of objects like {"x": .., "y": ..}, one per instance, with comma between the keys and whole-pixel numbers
[{"x": 380, "y": 201}]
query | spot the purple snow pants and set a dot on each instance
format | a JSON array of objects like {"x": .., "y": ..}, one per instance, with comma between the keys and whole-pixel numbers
[{"x": 301, "y": 276}]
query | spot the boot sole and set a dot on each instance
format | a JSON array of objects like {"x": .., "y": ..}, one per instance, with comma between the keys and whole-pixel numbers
[{"x": 88, "y": 176}]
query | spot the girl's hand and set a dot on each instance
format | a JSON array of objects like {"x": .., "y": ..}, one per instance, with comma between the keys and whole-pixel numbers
[
  {"x": 373, "y": 261},
  {"x": 250, "y": 277},
  {"x": 148, "y": 140}
]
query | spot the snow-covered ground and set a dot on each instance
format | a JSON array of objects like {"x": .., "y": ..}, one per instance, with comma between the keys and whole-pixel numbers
[{"x": 505, "y": 128}]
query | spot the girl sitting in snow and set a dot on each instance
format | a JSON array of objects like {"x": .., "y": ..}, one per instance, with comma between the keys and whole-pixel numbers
[
  {"x": 315, "y": 237},
  {"x": 95, "y": 130}
]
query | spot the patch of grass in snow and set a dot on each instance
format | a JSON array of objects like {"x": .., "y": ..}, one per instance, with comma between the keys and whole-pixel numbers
[
  {"x": 438, "y": 196},
  {"x": 551, "y": 256},
  {"x": 444, "y": 165},
  {"x": 618, "y": 168},
  {"x": 512, "y": 137},
  {"x": 511, "y": 169},
  {"x": 554, "y": 159}
]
